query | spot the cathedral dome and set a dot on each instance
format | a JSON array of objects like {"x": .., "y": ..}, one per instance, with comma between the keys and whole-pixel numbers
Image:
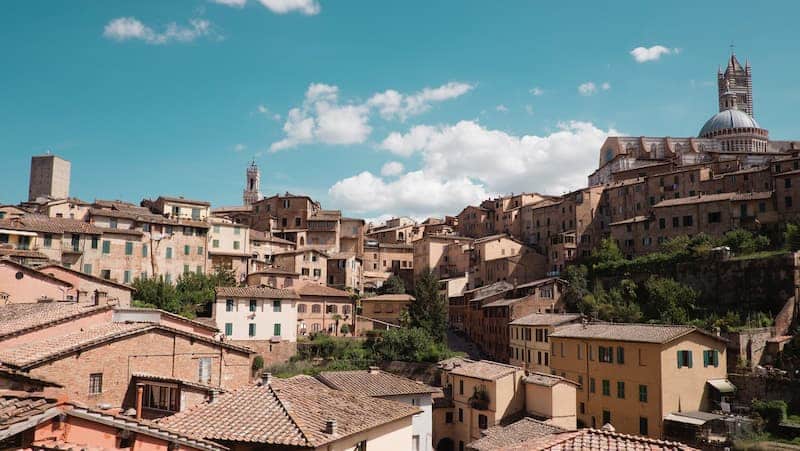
[{"x": 727, "y": 119}]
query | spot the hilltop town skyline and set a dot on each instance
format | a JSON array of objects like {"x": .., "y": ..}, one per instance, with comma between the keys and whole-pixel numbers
[{"x": 198, "y": 127}]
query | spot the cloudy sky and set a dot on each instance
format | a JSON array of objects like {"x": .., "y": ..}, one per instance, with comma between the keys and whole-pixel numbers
[{"x": 373, "y": 107}]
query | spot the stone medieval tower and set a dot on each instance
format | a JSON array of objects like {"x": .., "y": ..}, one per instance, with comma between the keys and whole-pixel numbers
[
  {"x": 736, "y": 80},
  {"x": 252, "y": 190}
]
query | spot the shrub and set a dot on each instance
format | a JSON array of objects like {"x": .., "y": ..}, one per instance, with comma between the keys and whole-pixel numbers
[
  {"x": 773, "y": 412},
  {"x": 258, "y": 363}
]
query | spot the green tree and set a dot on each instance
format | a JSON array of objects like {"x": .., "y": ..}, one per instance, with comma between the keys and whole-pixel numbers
[
  {"x": 744, "y": 242},
  {"x": 577, "y": 286},
  {"x": 607, "y": 252},
  {"x": 792, "y": 237},
  {"x": 408, "y": 345},
  {"x": 191, "y": 293},
  {"x": 619, "y": 304},
  {"x": 393, "y": 285},
  {"x": 428, "y": 311},
  {"x": 669, "y": 301}
]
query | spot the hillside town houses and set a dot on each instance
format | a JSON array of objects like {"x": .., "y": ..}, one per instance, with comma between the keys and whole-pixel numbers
[{"x": 84, "y": 366}]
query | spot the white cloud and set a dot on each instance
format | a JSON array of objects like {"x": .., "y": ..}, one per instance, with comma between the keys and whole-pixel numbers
[
  {"x": 262, "y": 109},
  {"x": 239, "y": 147},
  {"x": 537, "y": 91},
  {"x": 392, "y": 104},
  {"x": 587, "y": 89},
  {"x": 466, "y": 162},
  {"x": 501, "y": 108},
  {"x": 590, "y": 88},
  {"x": 130, "y": 28},
  {"x": 232, "y": 3},
  {"x": 322, "y": 118},
  {"x": 307, "y": 7},
  {"x": 392, "y": 168},
  {"x": 529, "y": 109},
  {"x": 654, "y": 53}
]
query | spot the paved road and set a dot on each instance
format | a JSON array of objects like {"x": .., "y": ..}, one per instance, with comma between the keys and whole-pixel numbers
[{"x": 459, "y": 343}]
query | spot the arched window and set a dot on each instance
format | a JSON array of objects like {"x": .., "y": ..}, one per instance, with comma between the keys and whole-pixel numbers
[
  {"x": 316, "y": 308},
  {"x": 315, "y": 327},
  {"x": 345, "y": 309},
  {"x": 301, "y": 308},
  {"x": 302, "y": 241},
  {"x": 334, "y": 309}
]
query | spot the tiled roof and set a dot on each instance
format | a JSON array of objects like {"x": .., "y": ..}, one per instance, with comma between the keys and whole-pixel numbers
[
  {"x": 289, "y": 412},
  {"x": 326, "y": 215},
  {"x": 175, "y": 380},
  {"x": 373, "y": 383},
  {"x": 752, "y": 196},
  {"x": 546, "y": 380},
  {"x": 194, "y": 322},
  {"x": 643, "y": 333},
  {"x": 630, "y": 220},
  {"x": 389, "y": 298},
  {"x": 17, "y": 318},
  {"x": 28, "y": 355},
  {"x": 497, "y": 437},
  {"x": 17, "y": 407},
  {"x": 538, "y": 282},
  {"x": 22, "y": 376},
  {"x": 594, "y": 440},
  {"x": 313, "y": 289},
  {"x": 545, "y": 319},
  {"x": 46, "y": 224},
  {"x": 23, "y": 253},
  {"x": 703, "y": 198},
  {"x": 183, "y": 200},
  {"x": 484, "y": 369},
  {"x": 285, "y": 272},
  {"x": 83, "y": 275},
  {"x": 491, "y": 238},
  {"x": 497, "y": 287},
  {"x": 255, "y": 292}
]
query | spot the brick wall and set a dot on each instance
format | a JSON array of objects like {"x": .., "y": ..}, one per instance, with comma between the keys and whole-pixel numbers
[
  {"x": 156, "y": 352},
  {"x": 273, "y": 353}
]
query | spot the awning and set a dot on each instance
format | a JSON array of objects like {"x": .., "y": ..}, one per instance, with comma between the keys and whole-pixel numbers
[
  {"x": 722, "y": 385},
  {"x": 684, "y": 420},
  {"x": 17, "y": 232}
]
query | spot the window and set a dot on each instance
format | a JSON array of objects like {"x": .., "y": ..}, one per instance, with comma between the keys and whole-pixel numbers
[
  {"x": 186, "y": 269},
  {"x": 642, "y": 426},
  {"x": 317, "y": 273},
  {"x": 621, "y": 390},
  {"x": 106, "y": 247},
  {"x": 276, "y": 329},
  {"x": 253, "y": 305},
  {"x": 316, "y": 308},
  {"x": 187, "y": 249},
  {"x": 215, "y": 243},
  {"x": 688, "y": 221},
  {"x": 684, "y": 359},
  {"x": 144, "y": 250},
  {"x": 714, "y": 217},
  {"x": 199, "y": 269},
  {"x": 187, "y": 231},
  {"x": 276, "y": 306},
  {"x": 591, "y": 385},
  {"x": 448, "y": 417},
  {"x": 483, "y": 422},
  {"x": 228, "y": 329},
  {"x": 105, "y": 273},
  {"x": 161, "y": 397},
  {"x": 169, "y": 252},
  {"x": 236, "y": 245},
  {"x": 126, "y": 277},
  {"x": 580, "y": 382},
  {"x": 582, "y": 408},
  {"x": 112, "y": 223},
  {"x": 415, "y": 443},
  {"x": 146, "y": 227},
  {"x": 87, "y": 269},
  {"x": 787, "y": 182},
  {"x": 606, "y": 387},
  {"x": 788, "y": 201},
  {"x": 229, "y": 305},
  {"x": 662, "y": 223},
  {"x": 216, "y": 229},
  {"x": 606, "y": 417},
  {"x": 251, "y": 330},
  {"x": 675, "y": 222},
  {"x": 204, "y": 368},
  {"x": 48, "y": 240},
  {"x": 199, "y": 250},
  {"x": 237, "y": 231},
  {"x": 301, "y": 308},
  {"x": 95, "y": 242},
  {"x": 460, "y": 415},
  {"x": 711, "y": 358},
  {"x": 642, "y": 393},
  {"x": 95, "y": 383},
  {"x": 621, "y": 355},
  {"x": 605, "y": 354}
]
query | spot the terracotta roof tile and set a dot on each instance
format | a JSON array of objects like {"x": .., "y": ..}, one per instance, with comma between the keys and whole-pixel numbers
[
  {"x": 16, "y": 318},
  {"x": 545, "y": 319},
  {"x": 594, "y": 440},
  {"x": 17, "y": 407},
  {"x": 520, "y": 431},
  {"x": 256, "y": 292},
  {"x": 290, "y": 412},
  {"x": 643, "y": 333},
  {"x": 544, "y": 379},
  {"x": 377, "y": 383},
  {"x": 484, "y": 369},
  {"x": 389, "y": 298},
  {"x": 46, "y": 224},
  {"x": 313, "y": 289}
]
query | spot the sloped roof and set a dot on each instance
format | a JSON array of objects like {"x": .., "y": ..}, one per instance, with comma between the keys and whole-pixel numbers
[
  {"x": 289, "y": 412},
  {"x": 18, "y": 407},
  {"x": 20, "y": 318},
  {"x": 545, "y": 380},
  {"x": 313, "y": 289},
  {"x": 484, "y": 369},
  {"x": 545, "y": 319},
  {"x": 642, "y": 333},
  {"x": 594, "y": 440},
  {"x": 46, "y": 224},
  {"x": 497, "y": 437},
  {"x": 390, "y": 298},
  {"x": 373, "y": 383},
  {"x": 83, "y": 275},
  {"x": 256, "y": 292}
]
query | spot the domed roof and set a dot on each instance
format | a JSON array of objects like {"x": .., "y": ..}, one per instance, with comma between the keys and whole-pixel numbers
[{"x": 728, "y": 119}]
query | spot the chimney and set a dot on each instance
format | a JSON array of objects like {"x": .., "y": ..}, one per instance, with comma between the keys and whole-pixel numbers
[
  {"x": 139, "y": 396},
  {"x": 96, "y": 300},
  {"x": 330, "y": 427},
  {"x": 266, "y": 378},
  {"x": 374, "y": 370},
  {"x": 212, "y": 396}
]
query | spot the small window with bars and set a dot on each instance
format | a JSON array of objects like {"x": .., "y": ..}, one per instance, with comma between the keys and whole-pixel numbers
[{"x": 95, "y": 383}]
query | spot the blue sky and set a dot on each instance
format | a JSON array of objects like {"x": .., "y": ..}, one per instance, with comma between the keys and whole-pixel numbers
[{"x": 374, "y": 107}]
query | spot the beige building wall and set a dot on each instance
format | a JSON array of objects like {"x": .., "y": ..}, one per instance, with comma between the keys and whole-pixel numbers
[
  {"x": 19, "y": 285},
  {"x": 556, "y": 403},
  {"x": 392, "y": 436}
]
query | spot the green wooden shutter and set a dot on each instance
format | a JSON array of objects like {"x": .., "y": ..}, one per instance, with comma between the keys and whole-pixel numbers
[
  {"x": 680, "y": 359},
  {"x": 689, "y": 360}
]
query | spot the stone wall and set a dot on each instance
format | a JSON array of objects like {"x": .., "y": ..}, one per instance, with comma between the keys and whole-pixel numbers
[
  {"x": 750, "y": 387},
  {"x": 273, "y": 353}
]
